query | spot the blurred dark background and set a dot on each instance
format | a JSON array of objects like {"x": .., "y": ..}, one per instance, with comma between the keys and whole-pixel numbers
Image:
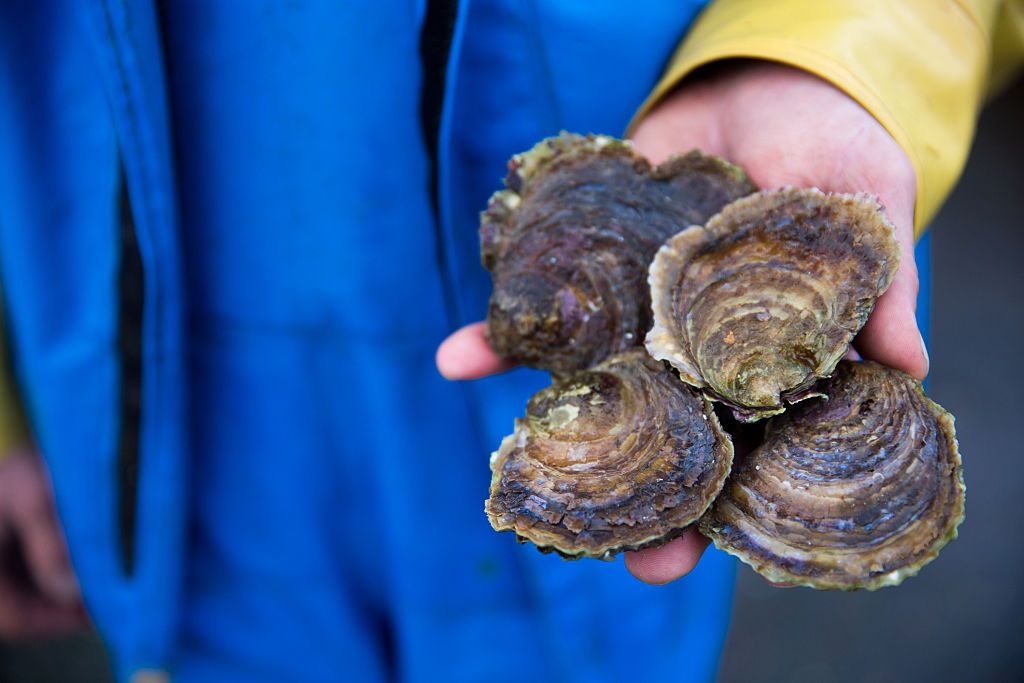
[{"x": 962, "y": 618}]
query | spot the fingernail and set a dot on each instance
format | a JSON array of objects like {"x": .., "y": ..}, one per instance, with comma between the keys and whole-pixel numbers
[{"x": 924, "y": 350}]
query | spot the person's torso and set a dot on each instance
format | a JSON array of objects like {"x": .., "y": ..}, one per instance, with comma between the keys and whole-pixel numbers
[{"x": 263, "y": 164}]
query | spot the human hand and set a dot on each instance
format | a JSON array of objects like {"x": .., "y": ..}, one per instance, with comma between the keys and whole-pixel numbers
[
  {"x": 788, "y": 127},
  {"x": 784, "y": 127},
  {"x": 38, "y": 592}
]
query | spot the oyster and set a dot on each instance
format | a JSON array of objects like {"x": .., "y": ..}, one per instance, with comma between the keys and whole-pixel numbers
[
  {"x": 857, "y": 491},
  {"x": 761, "y": 302},
  {"x": 618, "y": 457},
  {"x": 569, "y": 240}
]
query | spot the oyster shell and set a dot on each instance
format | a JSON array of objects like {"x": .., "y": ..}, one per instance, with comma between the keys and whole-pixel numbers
[
  {"x": 764, "y": 300},
  {"x": 569, "y": 240},
  {"x": 618, "y": 457},
  {"x": 857, "y": 491}
]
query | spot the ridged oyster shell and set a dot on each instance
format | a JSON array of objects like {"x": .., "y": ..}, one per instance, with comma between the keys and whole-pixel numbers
[
  {"x": 763, "y": 301},
  {"x": 857, "y": 491},
  {"x": 618, "y": 457},
  {"x": 569, "y": 240}
]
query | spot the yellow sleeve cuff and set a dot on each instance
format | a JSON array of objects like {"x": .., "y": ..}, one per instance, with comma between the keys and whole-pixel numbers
[{"x": 919, "y": 66}]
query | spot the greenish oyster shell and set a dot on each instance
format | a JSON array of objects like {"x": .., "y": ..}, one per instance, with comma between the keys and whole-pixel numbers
[
  {"x": 761, "y": 302},
  {"x": 569, "y": 240},
  {"x": 619, "y": 457},
  {"x": 857, "y": 491}
]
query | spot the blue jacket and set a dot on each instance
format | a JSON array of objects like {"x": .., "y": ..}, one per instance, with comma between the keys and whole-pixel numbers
[{"x": 260, "y": 474}]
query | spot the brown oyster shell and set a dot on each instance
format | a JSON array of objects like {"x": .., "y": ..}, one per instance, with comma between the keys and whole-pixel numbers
[
  {"x": 619, "y": 457},
  {"x": 761, "y": 302},
  {"x": 857, "y": 491},
  {"x": 569, "y": 241}
]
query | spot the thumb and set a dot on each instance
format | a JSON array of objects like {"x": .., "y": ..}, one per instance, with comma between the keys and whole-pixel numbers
[{"x": 891, "y": 336}]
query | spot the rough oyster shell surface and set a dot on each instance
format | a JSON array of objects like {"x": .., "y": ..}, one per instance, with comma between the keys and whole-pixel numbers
[
  {"x": 857, "y": 491},
  {"x": 569, "y": 240},
  {"x": 619, "y": 457},
  {"x": 761, "y": 302}
]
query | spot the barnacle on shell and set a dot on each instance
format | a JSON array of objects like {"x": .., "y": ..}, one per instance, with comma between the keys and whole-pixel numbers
[
  {"x": 762, "y": 301},
  {"x": 618, "y": 457},
  {"x": 857, "y": 491},
  {"x": 569, "y": 240}
]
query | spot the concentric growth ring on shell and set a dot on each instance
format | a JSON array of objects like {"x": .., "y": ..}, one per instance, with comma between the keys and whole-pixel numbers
[
  {"x": 857, "y": 491},
  {"x": 569, "y": 240},
  {"x": 613, "y": 458},
  {"x": 761, "y": 302}
]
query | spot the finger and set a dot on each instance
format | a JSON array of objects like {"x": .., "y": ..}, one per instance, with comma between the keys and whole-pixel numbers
[
  {"x": 891, "y": 336},
  {"x": 34, "y": 521},
  {"x": 32, "y": 617},
  {"x": 26, "y": 614},
  {"x": 36, "y": 617},
  {"x": 47, "y": 559},
  {"x": 668, "y": 562},
  {"x": 465, "y": 354}
]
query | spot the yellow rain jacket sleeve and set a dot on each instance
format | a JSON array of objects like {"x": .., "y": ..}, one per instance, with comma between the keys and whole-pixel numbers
[{"x": 921, "y": 67}]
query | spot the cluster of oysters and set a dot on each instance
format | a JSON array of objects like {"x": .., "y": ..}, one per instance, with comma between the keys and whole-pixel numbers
[{"x": 651, "y": 292}]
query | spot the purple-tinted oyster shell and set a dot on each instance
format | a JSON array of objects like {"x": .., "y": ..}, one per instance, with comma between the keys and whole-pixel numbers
[
  {"x": 757, "y": 305},
  {"x": 857, "y": 491},
  {"x": 569, "y": 240},
  {"x": 622, "y": 456}
]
